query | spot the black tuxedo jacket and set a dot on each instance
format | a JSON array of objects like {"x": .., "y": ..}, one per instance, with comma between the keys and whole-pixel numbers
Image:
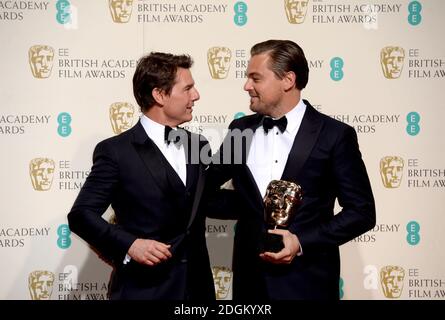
[
  {"x": 150, "y": 201},
  {"x": 325, "y": 160}
]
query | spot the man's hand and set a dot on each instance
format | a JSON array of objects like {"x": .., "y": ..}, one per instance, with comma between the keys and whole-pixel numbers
[
  {"x": 287, "y": 254},
  {"x": 149, "y": 252}
]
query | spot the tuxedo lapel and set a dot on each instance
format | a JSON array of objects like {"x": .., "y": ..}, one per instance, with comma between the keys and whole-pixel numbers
[
  {"x": 192, "y": 150},
  {"x": 197, "y": 197},
  {"x": 157, "y": 166},
  {"x": 195, "y": 172},
  {"x": 251, "y": 124},
  {"x": 304, "y": 143},
  {"x": 192, "y": 175},
  {"x": 250, "y": 189}
]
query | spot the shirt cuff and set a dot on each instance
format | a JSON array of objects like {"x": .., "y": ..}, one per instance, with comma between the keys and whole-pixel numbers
[
  {"x": 300, "y": 253},
  {"x": 127, "y": 259}
]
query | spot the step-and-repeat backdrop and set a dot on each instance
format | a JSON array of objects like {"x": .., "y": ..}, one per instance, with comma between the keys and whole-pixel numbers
[{"x": 66, "y": 84}]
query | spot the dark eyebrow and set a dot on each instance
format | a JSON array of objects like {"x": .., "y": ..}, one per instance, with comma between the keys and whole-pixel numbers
[{"x": 254, "y": 74}]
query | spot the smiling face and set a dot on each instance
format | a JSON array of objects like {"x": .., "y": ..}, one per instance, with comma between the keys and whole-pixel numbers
[
  {"x": 265, "y": 89},
  {"x": 178, "y": 105}
]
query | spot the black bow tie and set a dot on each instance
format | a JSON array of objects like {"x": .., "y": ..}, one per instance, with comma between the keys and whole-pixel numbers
[
  {"x": 269, "y": 123},
  {"x": 171, "y": 135}
]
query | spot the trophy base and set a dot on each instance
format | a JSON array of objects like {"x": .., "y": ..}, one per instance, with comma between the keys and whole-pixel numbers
[{"x": 271, "y": 243}]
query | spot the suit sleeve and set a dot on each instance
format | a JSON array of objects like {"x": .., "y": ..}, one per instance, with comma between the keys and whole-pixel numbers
[
  {"x": 353, "y": 190},
  {"x": 221, "y": 203},
  {"x": 85, "y": 218}
]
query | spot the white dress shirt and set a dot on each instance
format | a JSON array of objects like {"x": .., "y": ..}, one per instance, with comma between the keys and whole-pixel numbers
[
  {"x": 268, "y": 153},
  {"x": 174, "y": 154}
]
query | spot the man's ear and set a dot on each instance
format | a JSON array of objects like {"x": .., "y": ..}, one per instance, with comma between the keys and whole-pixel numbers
[
  {"x": 289, "y": 80},
  {"x": 158, "y": 95}
]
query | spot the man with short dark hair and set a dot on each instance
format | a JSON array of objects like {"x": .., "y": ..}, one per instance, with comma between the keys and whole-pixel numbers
[
  {"x": 157, "y": 243},
  {"x": 289, "y": 140}
]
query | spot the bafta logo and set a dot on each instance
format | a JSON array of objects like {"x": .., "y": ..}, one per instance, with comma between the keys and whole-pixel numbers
[
  {"x": 391, "y": 59},
  {"x": 121, "y": 10},
  {"x": 296, "y": 10},
  {"x": 41, "y": 171},
  {"x": 40, "y": 284},
  {"x": 391, "y": 279},
  {"x": 121, "y": 116},
  {"x": 218, "y": 59},
  {"x": 391, "y": 171},
  {"x": 222, "y": 278},
  {"x": 41, "y": 61}
]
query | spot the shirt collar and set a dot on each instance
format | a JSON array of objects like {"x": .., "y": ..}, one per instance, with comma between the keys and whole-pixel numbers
[
  {"x": 295, "y": 116},
  {"x": 155, "y": 131}
]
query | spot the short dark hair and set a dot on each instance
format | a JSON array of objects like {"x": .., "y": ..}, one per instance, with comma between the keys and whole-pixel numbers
[
  {"x": 285, "y": 56},
  {"x": 156, "y": 70}
]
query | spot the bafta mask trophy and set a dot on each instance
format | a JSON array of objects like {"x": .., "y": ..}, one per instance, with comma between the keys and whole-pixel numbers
[{"x": 280, "y": 204}]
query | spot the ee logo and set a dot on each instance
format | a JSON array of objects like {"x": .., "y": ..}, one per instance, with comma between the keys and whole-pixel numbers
[
  {"x": 337, "y": 68},
  {"x": 240, "y": 17},
  {"x": 413, "y": 119},
  {"x": 64, "y": 121},
  {"x": 414, "y": 17},
  {"x": 413, "y": 236},
  {"x": 63, "y": 233},
  {"x": 63, "y": 15}
]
